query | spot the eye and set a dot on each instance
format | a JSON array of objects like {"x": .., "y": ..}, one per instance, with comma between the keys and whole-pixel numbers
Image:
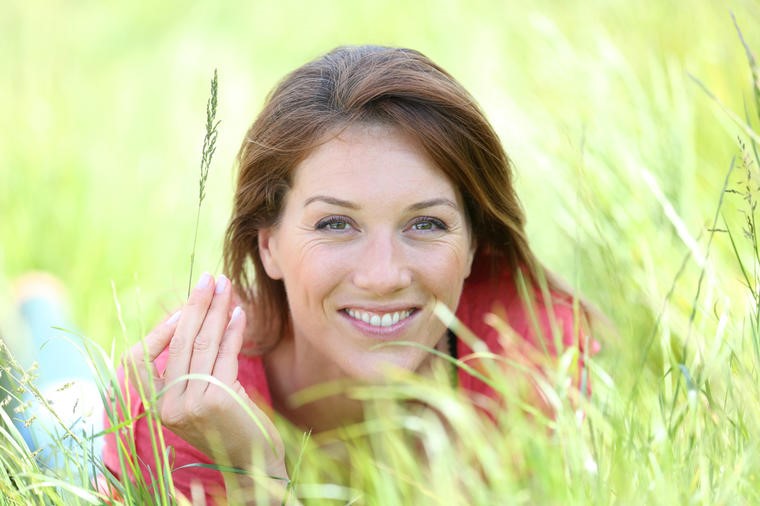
[
  {"x": 427, "y": 224},
  {"x": 333, "y": 223}
]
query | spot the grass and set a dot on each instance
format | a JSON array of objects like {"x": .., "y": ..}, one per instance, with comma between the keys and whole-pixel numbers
[
  {"x": 207, "y": 153},
  {"x": 623, "y": 122}
]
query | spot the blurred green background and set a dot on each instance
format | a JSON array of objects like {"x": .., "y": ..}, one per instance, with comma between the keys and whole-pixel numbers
[{"x": 103, "y": 110}]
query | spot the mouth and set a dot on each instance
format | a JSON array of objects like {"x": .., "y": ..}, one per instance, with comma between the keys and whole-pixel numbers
[{"x": 379, "y": 320}]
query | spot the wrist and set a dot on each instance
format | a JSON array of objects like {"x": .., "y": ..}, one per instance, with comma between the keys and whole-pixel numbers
[{"x": 255, "y": 488}]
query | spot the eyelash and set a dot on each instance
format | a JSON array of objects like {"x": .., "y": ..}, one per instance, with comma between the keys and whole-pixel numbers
[
  {"x": 429, "y": 219},
  {"x": 325, "y": 224}
]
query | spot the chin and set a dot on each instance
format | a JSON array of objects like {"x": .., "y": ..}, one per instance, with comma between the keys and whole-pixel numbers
[{"x": 389, "y": 365}]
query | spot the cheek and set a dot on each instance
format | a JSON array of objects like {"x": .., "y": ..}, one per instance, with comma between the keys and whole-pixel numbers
[
  {"x": 447, "y": 258},
  {"x": 444, "y": 271},
  {"x": 312, "y": 276}
]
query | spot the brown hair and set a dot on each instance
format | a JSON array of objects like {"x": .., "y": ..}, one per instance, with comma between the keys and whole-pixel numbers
[{"x": 348, "y": 85}]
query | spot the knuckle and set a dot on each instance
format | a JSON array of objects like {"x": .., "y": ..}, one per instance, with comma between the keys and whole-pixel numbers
[
  {"x": 226, "y": 348},
  {"x": 186, "y": 413},
  {"x": 171, "y": 417},
  {"x": 176, "y": 346},
  {"x": 198, "y": 301},
  {"x": 202, "y": 343},
  {"x": 215, "y": 401},
  {"x": 195, "y": 409}
]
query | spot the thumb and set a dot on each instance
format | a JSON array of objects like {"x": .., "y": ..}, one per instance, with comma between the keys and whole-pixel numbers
[{"x": 141, "y": 356}]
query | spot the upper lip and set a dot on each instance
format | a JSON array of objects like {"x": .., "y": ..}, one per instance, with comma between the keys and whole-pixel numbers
[{"x": 373, "y": 308}]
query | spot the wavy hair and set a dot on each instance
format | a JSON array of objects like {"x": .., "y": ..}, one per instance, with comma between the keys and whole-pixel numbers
[{"x": 366, "y": 84}]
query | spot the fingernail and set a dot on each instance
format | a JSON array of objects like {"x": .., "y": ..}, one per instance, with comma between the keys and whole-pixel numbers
[
  {"x": 236, "y": 313},
  {"x": 221, "y": 283},
  {"x": 204, "y": 281},
  {"x": 174, "y": 318}
]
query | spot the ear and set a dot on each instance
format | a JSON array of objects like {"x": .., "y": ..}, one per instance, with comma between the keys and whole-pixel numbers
[
  {"x": 471, "y": 257},
  {"x": 268, "y": 252}
]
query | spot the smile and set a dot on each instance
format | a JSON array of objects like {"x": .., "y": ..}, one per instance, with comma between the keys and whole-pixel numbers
[{"x": 379, "y": 319}]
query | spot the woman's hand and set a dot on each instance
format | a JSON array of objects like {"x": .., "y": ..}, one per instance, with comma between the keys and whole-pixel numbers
[{"x": 205, "y": 338}]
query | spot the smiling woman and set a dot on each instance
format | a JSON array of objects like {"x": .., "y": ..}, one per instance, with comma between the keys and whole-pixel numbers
[
  {"x": 371, "y": 264},
  {"x": 371, "y": 191}
]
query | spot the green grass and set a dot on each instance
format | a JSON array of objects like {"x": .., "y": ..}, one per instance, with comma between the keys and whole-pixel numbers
[{"x": 621, "y": 159}]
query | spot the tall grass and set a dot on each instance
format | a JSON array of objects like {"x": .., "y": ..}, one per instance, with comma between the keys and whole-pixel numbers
[
  {"x": 641, "y": 190},
  {"x": 207, "y": 153}
]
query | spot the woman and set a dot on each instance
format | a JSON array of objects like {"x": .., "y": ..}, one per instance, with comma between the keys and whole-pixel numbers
[{"x": 371, "y": 188}]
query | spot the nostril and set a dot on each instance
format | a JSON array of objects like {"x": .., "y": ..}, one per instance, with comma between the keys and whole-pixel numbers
[
  {"x": 381, "y": 267},
  {"x": 381, "y": 280}
]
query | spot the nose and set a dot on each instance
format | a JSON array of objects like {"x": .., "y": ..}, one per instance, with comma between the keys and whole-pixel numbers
[{"x": 381, "y": 265}]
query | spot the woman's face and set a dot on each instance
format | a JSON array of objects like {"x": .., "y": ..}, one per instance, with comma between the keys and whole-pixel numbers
[{"x": 371, "y": 236}]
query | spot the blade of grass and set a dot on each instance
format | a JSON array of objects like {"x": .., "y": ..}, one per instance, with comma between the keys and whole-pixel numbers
[{"x": 207, "y": 153}]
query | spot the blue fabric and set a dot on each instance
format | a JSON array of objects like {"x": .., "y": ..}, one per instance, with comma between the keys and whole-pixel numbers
[
  {"x": 57, "y": 352},
  {"x": 60, "y": 359}
]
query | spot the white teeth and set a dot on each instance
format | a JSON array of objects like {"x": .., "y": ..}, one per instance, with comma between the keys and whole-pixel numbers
[{"x": 377, "y": 320}]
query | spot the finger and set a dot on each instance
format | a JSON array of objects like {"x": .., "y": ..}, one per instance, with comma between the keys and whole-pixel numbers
[
  {"x": 226, "y": 365},
  {"x": 140, "y": 357},
  {"x": 206, "y": 344},
  {"x": 181, "y": 345},
  {"x": 237, "y": 300}
]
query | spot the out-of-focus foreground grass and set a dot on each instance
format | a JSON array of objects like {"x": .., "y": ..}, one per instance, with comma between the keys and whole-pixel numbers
[{"x": 620, "y": 158}]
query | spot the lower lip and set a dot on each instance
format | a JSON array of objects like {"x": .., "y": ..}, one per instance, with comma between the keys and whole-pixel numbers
[{"x": 388, "y": 332}]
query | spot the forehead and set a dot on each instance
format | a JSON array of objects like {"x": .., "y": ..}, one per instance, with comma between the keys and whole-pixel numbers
[{"x": 367, "y": 158}]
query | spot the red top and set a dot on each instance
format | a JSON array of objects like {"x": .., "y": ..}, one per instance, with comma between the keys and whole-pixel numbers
[{"x": 482, "y": 294}]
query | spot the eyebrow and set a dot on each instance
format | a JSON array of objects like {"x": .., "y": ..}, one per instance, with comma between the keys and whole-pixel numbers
[
  {"x": 330, "y": 200},
  {"x": 432, "y": 203},
  {"x": 350, "y": 205}
]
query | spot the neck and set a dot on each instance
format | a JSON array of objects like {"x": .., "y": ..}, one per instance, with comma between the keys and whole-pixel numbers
[
  {"x": 310, "y": 392},
  {"x": 306, "y": 392}
]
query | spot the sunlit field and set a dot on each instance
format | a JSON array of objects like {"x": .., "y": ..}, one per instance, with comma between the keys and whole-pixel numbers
[{"x": 634, "y": 130}]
